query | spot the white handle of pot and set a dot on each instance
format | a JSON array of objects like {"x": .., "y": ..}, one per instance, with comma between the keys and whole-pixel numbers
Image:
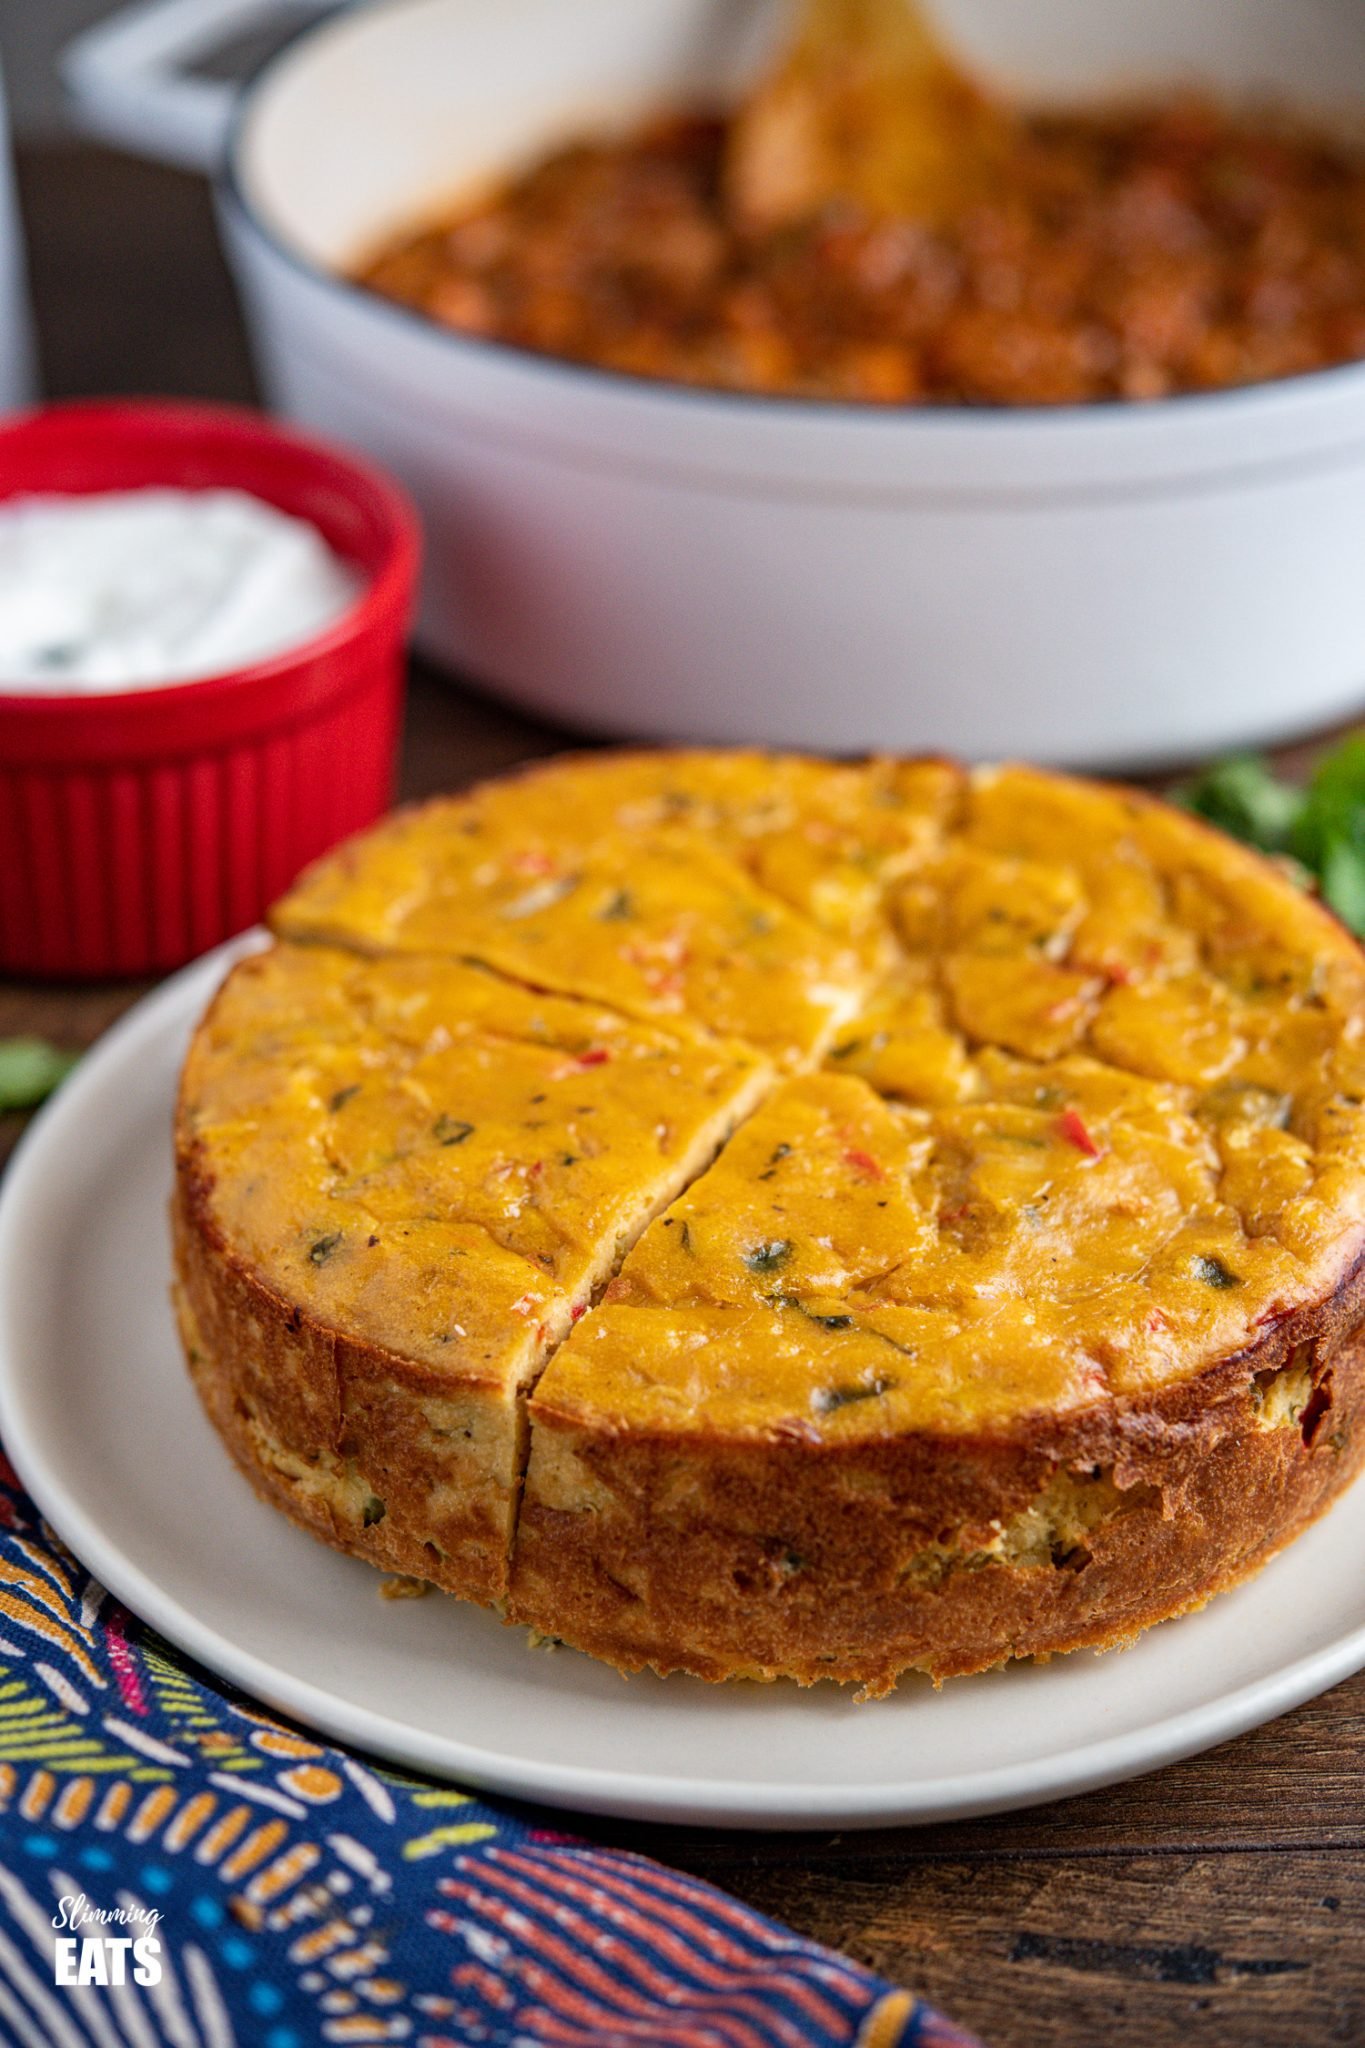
[{"x": 132, "y": 83}]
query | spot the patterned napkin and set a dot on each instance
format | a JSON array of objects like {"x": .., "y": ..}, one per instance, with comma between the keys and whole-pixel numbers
[{"x": 179, "y": 1869}]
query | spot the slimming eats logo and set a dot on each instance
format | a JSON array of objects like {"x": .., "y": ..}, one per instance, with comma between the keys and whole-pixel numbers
[{"x": 131, "y": 1954}]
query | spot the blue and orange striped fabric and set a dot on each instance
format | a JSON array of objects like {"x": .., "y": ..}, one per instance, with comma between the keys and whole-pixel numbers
[{"x": 294, "y": 1894}]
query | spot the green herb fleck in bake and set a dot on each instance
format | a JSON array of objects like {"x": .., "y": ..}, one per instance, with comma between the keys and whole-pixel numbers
[
  {"x": 829, "y": 1399},
  {"x": 1213, "y": 1272},
  {"x": 451, "y": 1130}
]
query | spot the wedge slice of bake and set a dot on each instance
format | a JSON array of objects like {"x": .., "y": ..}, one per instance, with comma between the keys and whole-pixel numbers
[
  {"x": 399, "y": 1182},
  {"x": 740, "y": 891}
]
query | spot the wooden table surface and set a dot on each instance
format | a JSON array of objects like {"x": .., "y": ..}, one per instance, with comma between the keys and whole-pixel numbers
[{"x": 1219, "y": 1903}]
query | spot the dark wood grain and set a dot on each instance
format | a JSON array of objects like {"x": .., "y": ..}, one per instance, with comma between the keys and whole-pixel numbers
[
  {"x": 1220, "y": 1903},
  {"x": 1064, "y": 1949}
]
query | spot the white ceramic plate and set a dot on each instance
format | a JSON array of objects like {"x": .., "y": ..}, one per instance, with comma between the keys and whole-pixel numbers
[{"x": 98, "y": 1414}]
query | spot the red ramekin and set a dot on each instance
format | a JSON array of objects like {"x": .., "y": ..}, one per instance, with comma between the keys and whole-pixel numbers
[{"x": 140, "y": 827}]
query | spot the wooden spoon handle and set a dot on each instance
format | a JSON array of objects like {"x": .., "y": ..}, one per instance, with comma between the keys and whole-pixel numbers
[{"x": 865, "y": 105}]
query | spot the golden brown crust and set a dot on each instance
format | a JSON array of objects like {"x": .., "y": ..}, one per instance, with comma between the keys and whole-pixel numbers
[
  {"x": 326, "y": 1427},
  {"x": 860, "y": 1561}
]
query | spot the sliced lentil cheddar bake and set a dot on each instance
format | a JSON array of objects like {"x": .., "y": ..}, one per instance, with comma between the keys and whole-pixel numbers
[{"x": 763, "y": 1217}]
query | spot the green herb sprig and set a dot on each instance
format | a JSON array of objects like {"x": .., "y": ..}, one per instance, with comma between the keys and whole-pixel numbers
[
  {"x": 30, "y": 1069},
  {"x": 1320, "y": 824}
]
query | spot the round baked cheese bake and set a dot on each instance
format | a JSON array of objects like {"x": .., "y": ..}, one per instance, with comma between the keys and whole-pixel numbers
[{"x": 763, "y": 1217}]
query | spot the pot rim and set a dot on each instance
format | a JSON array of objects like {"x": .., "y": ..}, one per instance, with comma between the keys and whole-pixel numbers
[{"x": 1131, "y": 417}]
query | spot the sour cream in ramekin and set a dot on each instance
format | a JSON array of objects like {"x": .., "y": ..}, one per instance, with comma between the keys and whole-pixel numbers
[{"x": 125, "y": 590}]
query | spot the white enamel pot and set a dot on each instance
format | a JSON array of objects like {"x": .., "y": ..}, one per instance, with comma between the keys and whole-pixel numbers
[{"x": 1118, "y": 585}]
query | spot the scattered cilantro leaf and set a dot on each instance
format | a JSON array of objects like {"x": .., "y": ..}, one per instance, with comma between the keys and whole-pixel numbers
[
  {"x": 1245, "y": 798},
  {"x": 30, "y": 1069},
  {"x": 1320, "y": 826},
  {"x": 1343, "y": 881},
  {"x": 1330, "y": 835}
]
